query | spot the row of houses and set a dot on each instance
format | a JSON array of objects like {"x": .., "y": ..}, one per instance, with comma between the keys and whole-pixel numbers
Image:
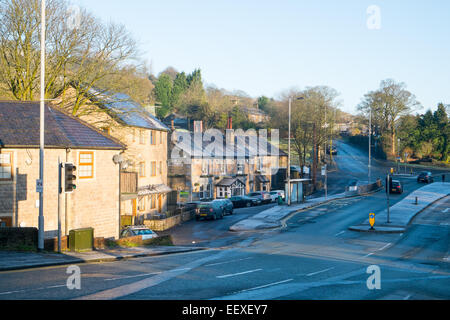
[{"x": 146, "y": 182}]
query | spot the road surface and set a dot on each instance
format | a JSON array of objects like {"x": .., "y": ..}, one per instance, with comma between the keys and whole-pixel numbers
[{"x": 314, "y": 257}]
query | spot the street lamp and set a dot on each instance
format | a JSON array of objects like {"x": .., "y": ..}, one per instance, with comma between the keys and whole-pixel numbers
[
  {"x": 370, "y": 142},
  {"x": 41, "y": 133},
  {"x": 289, "y": 150},
  {"x": 118, "y": 159}
]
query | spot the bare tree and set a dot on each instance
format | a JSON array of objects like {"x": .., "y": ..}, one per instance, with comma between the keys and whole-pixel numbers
[{"x": 387, "y": 105}]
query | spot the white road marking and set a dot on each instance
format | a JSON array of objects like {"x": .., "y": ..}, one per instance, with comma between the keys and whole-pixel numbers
[
  {"x": 237, "y": 274},
  {"x": 368, "y": 255},
  {"x": 446, "y": 210},
  {"x": 135, "y": 276},
  {"x": 230, "y": 261},
  {"x": 266, "y": 285},
  {"x": 407, "y": 297},
  {"x": 337, "y": 234},
  {"x": 444, "y": 224},
  {"x": 321, "y": 271},
  {"x": 384, "y": 247}
]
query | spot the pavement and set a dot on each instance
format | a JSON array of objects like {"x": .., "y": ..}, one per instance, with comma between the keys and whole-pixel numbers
[
  {"x": 272, "y": 218},
  {"x": 13, "y": 260},
  {"x": 402, "y": 213}
]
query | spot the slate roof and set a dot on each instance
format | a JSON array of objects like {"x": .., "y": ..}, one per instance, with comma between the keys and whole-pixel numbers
[
  {"x": 247, "y": 149},
  {"x": 130, "y": 113},
  {"x": 20, "y": 121},
  {"x": 227, "y": 182}
]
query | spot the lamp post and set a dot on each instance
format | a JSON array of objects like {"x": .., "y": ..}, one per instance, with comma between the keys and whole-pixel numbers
[
  {"x": 289, "y": 151},
  {"x": 118, "y": 159},
  {"x": 41, "y": 133},
  {"x": 370, "y": 143}
]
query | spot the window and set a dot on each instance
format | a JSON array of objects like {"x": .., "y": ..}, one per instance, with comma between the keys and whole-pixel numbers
[
  {"x": 153, "y": 169},
  {"x": 240, "y": 168},
  {"x": 86, "y": 165},
  {"x": 141, "y": 137},
  {"x": 160, "y": 167},
  {"x": 141, "y": 204},
  {"x": 205, "y": 167},
  {"x": 152, "y": 137},
  {"x": 153, "y": 201},
  {"x": 141, "y": 169},
  {"x": 6, "y": 166},
  {"x": 106, "y": 130}
]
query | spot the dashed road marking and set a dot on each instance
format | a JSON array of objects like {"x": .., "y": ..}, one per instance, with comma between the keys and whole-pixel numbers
[
  {"x": 265, "y": 286},
  {"x": 321, "y": 271},
  {"x": 337, "y": 234},
  {"x": 384, "y": 247},
  {"x": 237, "y": 274},
  {"x": 230, "y": 261}
]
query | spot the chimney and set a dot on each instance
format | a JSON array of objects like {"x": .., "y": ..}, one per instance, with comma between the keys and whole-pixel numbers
[
  {"x": 198, "y": 126},
  {"x": 230, "y": 123}
]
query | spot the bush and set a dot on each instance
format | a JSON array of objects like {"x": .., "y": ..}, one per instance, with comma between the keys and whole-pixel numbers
[{"x": 18, "y": 239}]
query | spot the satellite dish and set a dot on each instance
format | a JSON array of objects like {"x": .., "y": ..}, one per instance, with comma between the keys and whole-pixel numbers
[{"x": 117, "y": 158}]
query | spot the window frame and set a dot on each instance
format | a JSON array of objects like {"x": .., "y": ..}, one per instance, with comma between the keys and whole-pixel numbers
[
  {"x": 80, "y": 164},
  {"x": 153, "y": 166},
  {"x": 141, "y": 136},
  {"x": 141, "y": 165},
  {"x": 11, "y": 163}
]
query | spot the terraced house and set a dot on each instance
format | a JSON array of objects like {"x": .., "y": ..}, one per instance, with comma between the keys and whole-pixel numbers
[
  {"x": 245, "y": 165},
  {"x": 94, "y": 203},
  {"x": 144, "y": 168}
]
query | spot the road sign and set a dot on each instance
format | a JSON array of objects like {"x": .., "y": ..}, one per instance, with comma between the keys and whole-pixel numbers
[
  {"x": 324, "y": 170},
  {"x": 184, "y": 194},
  {"x": 39, "y": 185},
  {"x": 372, "y": 220}
]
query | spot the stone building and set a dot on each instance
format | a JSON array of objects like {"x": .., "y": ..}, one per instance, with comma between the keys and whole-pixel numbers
[
  {"x": 95, "y": 201},
  {"x": 198, "y": 172},
  {"x": 144, "y": 170}
]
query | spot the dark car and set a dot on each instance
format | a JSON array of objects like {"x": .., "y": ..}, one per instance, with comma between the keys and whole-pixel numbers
[
  {"x": 396, "y": 187},
  {"x": 226, "y": 204},
  {"x": 243, "y": 201},
  {"x": 209, "y": 210},
  {"x": 332, "y": 150},
  {"x": 425, "y": 176},
  {"x": 262, "y": 195}
]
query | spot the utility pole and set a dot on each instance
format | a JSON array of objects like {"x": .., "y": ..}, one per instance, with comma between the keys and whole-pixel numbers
[
  {"x": 41, "y": 132},
  {"x": 289, "y": 156},
  {"x": 314, "y": 155},
  {"x": 370, "y": 142},
  {"x": 388, "y": 191},
  {"x": 59, "y": 202}
]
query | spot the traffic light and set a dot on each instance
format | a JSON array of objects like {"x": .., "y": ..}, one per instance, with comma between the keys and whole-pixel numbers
[{"x": 69, "y": 177}]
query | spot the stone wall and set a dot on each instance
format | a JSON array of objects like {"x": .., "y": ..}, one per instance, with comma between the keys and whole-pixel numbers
[{"x": 94, "y": 203}]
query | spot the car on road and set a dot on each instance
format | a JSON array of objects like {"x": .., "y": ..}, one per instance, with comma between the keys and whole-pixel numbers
[
  {"x": 143, "y": 231},
  {"x": 244, "y": 201},
  {"x": 227, "y": 205},
  {"x": 210, "y": 210},
  {"x": 425, "y": 176},
  {"x": 264, "y": 196},
  {"x": 332, "y": 150},
  {"x": 396, "y": 187},
  {"x": 275, "y": 194}
]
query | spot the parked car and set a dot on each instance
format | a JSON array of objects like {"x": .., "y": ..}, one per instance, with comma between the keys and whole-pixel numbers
[
  {"x": 210, "y": 210},
  {"x": 143, "y": 231},
  {"x": 244, "y": 201},
  {"x": 425, "y": 176},
  {"x": 277, "y": 193},
  {"x": 262, "y": 195},
  {"x": 227, "y": 205},
  {"x": 396, "y": 187}
]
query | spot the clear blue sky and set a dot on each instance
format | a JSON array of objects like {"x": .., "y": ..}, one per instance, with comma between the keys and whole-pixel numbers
[{"x": 265, "y": 47}]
